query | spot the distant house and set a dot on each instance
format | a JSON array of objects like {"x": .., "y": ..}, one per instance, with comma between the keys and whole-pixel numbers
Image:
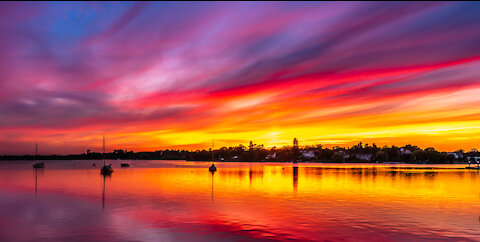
[
  {"x": 345, "y": 155},
  {"x": 405, "y": 151},
  {"x": 271, "y": 156},
  {"x": 474, "y": 159},
  {"x": 309, "y": 154},
  {"x": 363, "y": 156},
  {"x": 457, "y": 155}
]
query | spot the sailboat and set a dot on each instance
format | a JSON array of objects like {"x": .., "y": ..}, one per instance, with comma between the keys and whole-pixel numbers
[
  {"x": 37, "y": 164},
  {"x": 212, "y": 168},
  {"x": 106, "y": 169}
]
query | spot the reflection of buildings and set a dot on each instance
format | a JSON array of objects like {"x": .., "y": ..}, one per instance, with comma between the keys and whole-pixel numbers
[{"x": 295, "y": 178}]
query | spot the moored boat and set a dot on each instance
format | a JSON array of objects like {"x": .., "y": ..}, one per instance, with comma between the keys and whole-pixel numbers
[
  {"x": 37, "y": 164},
  {"x": 106, "y": 169},
  {"x": 212, "y": 168}
]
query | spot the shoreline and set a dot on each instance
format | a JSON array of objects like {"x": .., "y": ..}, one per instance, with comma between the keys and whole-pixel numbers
[{"x": 329, "y": 165}]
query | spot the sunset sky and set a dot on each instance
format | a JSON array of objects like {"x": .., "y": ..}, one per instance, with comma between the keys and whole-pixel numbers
[{"x": 153, "y": 76}]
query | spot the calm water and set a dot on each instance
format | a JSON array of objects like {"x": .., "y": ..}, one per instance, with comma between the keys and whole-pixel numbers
[{"x": 172, "y": 201}]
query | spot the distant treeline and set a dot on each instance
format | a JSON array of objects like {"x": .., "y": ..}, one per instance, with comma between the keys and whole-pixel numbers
[{"x": 357, "y": 153}]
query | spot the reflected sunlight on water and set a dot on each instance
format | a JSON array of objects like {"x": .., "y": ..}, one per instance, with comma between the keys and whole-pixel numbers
[{"x": 178, "y": 200}]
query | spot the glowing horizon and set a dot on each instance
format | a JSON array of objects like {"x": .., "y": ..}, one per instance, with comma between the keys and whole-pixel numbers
[{"x": 153, "y": 76}]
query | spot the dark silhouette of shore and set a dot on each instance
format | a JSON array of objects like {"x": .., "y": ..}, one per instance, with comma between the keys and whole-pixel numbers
[{"x": 315, "y": 153}]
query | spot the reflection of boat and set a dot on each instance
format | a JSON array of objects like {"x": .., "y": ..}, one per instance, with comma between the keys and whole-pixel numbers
[
  {"x": 37, "y": 164},
  {"x": 103, "y": 191},
  {"x": 106, "y": 169},
  {"x": 213, "y": 172},
  {"x": 36, "y": 182},
  {"x": 125, "y": 165},
  {"x": 36, "y": 179}
]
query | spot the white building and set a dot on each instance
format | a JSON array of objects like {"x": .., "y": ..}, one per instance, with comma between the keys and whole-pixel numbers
[
  {"x": 271, "y": 156},
  {"x": 309, "y": 154},
  {"x": 474, "y": 159},
  {"x": 405, "y": 151},
  {"x": 456, "y": 154},
  {"x": 362, "y": 156}
]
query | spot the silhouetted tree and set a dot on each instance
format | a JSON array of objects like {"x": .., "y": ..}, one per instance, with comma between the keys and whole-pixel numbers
[
  {"x": 296, "y": 150},
  {"x": 420, "y": 155},
  {"x": 337, "y": 157},
  {"x": 381, "y": 156}
]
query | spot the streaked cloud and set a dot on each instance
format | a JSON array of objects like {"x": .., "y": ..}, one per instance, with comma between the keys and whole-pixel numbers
[{"x": 156, "y": 75}]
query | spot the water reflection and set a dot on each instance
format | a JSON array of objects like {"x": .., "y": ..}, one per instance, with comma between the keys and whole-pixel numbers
[
  {"x": 37, "y": 172},
  {"x": 295, "y": 178},
  {"x": 103, "y": 190},
  {"x": 173, "y": 201},
  {"x": 213, "y": 173}
]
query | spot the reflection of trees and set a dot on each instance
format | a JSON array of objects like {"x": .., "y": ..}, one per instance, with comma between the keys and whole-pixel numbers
[
  {"x": 430, "y": 174},
  {"x": 295, "y": 178}
]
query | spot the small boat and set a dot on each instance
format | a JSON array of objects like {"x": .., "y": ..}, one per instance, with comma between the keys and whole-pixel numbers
[
  {"x": 212, "y": 168},
  {"x": 106, "y": 169},
  {"x": 94, "y": 164},
  {"x": 39, "y": 165},
  {"x": 472, "y": 167},
  {"x": 125, "y": 165}
]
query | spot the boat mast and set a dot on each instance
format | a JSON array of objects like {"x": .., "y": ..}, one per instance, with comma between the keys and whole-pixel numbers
[
  {"x": 103, "y": 150},
  {"x": 213, "y": 147},
  {"x": 35, "y": 157}
]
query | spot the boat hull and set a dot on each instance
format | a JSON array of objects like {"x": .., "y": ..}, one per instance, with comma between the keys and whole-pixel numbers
[
  {"x": 106, "y": 170},
  {"x": 39, "y": 165}
]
